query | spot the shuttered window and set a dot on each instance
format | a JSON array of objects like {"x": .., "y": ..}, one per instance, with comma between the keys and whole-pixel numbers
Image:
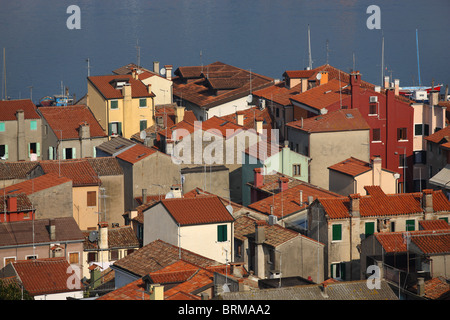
[
  {"x": 91, "y": 198},
  {"x": 410, "y": 225},
  {"x": 74, "y": 258},
  {"x": 222, "y": 233},
  {"x": 337, "y": 232},
  {"x": 369, "y": 228}
]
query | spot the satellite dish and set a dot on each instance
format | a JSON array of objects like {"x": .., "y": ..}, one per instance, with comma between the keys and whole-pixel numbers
[
  {"x": 143, "y": 134},
  {"x": 229, "y": 208},
  {"x": 93, "y": 236},
  {"x": 170, "y": 195},
  {"x": 163, "y": 71},
  {"x": 250, "y": 98},
  {"x": 319, "y": 76}
]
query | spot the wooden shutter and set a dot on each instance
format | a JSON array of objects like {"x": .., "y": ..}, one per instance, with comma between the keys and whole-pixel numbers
[
  {"x": 369, "y": 228},
  {"x": 91, "y": 198},
  {"x": 337, "y": 232}
]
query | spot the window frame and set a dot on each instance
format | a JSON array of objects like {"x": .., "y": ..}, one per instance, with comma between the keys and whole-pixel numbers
[
  {"x": 73, "y": 254},
  {"x": 408, "y": 224},
  {"x": 379, "y": 134},
  {"x": 400, "y": 135},
  {"x": 140, "y": 103},
  {"x": 333, "y": 232},
  {"x": 91, "y": 196},
  {"x": 111, "y": 107},
  {"x": 2, "y": 126},
  {"x": 366, "y": 224},
  {"x": 222, "y": 233}
]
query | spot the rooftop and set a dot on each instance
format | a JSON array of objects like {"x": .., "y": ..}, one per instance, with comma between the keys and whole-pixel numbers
[
  {"x": 216, "y": 83},
  {"x": 339, "y": 120},
  {"x": 136, "y": 153},
  {"x": 118, "y": 237},
  {"x": 79, "y": 171},
  {"x": 105, "y": 86},
  {"x": 40, "y": 183},
  {"x": 8, "y": 109},
  {"x": 279, "y": 93},
  {"x": 66, "y": 121},
  {"x": 352, "y": 167}
]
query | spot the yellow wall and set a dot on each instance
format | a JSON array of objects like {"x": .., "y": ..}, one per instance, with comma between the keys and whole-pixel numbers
[
  {"x": 85, "y": 216},
  {"x": 97, "y": 104}
]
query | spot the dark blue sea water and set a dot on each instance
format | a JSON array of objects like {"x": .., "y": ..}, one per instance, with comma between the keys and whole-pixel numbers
[{"x": 266, "y": 36}]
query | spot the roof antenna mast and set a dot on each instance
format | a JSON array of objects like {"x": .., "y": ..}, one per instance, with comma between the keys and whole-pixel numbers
[{"x": 309, "y": 50}]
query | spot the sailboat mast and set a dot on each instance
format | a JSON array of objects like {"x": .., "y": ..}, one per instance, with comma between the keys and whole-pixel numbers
[
  {"x": 309, "y": 50},
  {"x": 382, "y": 61},
  {"x": 418, "y": 61}
]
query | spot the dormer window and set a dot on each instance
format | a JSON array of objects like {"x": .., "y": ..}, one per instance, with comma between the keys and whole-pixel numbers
[{"x": 119, "y": 83}]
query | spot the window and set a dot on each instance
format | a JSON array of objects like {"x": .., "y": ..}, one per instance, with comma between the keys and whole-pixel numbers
[
  {"x": 142, "y": 103},
  {"x": 142, "y": 125},
  {"x": 277, "y": 111},
  {"x": 421, "y": 129},
  {"x": 296, "y": 170},
  {"x": 373, "y": 109},
  {"x": 34, "y": 150},
  {"x": 31, "y": 257},
  {"x": 420, "y": 157},
  {"x": 114, "y": 104},
  {"x": 115, "y": 128},
  {"x": 51, "y": 154},
  {"x": 91, "y": 198},
  {"x": 376, "y": 134},
  {"x": 33, "y": 125},
  {"x": 92, "y": 256},
  {"x": 338, "y": 270},
  {"x": 2, "y": 127},
  {"x": 337, "y": 232},
  {"x": 69, "y": 153},
  {"x": 9, "y": 259},
  {"x": 444, "y": 218},
  {"x": 402, "y": 134},
  {"x": 74, "y": 258},
  {"x": 114, "y": 255},
  {"x": 369, "y": 228},
  {"x": 222, "y": 233},
  {"x": 402, "y": 161},
  {"x": 410, "y": 225},
  {"x": 392, "y": 226},
  {"x": 4, "y": 151}
]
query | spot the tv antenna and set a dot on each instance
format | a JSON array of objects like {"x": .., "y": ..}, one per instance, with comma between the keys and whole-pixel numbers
[{"x": 138, "y": 53}]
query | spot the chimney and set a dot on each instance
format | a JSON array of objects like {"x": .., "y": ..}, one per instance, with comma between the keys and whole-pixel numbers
[
  {"x": 179, "y": 114},
  {"x": 310, "y": 200},
  {"x": 420, "y": 286},
  {"x": 323, "y": 78},
  {"x": 103, "y": 235},
  {"x": 149, "y": 88},
  {"x": 168, "y": 71},
  {"x": 324, "y": 289},
  {"x": 259, "y": 125},
  {"x": 376, "y": 171},
  {"x": 156, "y": 292},
  {"x": 84, "y": 131},
  {"x": 354, "y": 204},
  {"x": 133, "y": 214},
  {"x": 434, "y": 98},
  {"x": 240, "y": 118},
  {"x": 260, "y": 236},
  {"x": 134, "y": 74},
  {"x": 386, "y": 82},
  {"x": 283, "y": 182},
  {"x": 258, "y": 177},
  {"x": 396, "y": 87},
  {"x": 156, "y": 67},
  {"x": 126, "y": 91},
  {"x": 21, "y": 144},
  {"x": 176, "y": 190},
  {"x": 204, "y": 296},
  {"x": 144, "y": 196},
  {"x": 427, "y": 200},
  {"x": 52, "y": 229},
  {"x": 355, "y": 83},
  {"x": 12, "y": 203}
]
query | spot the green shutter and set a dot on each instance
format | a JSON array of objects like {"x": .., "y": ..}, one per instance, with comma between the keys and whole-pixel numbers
[
  {"x": 29, "y": 153},
  {"x": 410, "y": 225},
  {"x": 142, "y": 125},
  {"x": 6, "y": 151},
  {"x": 337, "y": 232},
  {"x": 33, "y": 125},
  {"x": 94, "y": 153},
  {"x": 222, "y": 233},
  {"x": 38, "y": 149},
  {"x": 445, "y": 218},
  {"x": 119, "y": 128},
  {"x": 370, "y": 228},
  {"x": 2, "y": 127},
  {"x": 114, "y": 104},
  {"x": 142, "y": 102},
  {"x": 343, "y": 270},
  {"x": 109, "y": 129},
  {"x": 64, "y": 153},
  {"x": 74, "y": 153},
  {"x": 50, "y": 153}
]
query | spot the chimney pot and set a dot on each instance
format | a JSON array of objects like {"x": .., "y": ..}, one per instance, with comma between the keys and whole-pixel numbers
[
  {"x": 258, "y": 177},
  {"x": 52, "y": 229},
  {"x": 420, "y": 287},
  {"x": 354, "y": 204},
  {"x": 12, "y": 203},
  {"x": 283, "y": 183}
]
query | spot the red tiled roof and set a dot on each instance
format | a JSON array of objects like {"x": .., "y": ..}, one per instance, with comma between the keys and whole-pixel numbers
[
  {"x": 429, "y": 241},
  {"x": 380, "y": 204},
  {"x": 40, "y": 183},
  {"x": 287, "y": 202},
  {"x": 103, "y": 85},
  {"x": 279, "y": 93},
  {"x": 351, "y": 166},
  {"x": 200, "y": 279},
  {"x": 220, "y": 76},
  {"x": 45, "y": 276},
  {"x": 436, "y": 288},
  {"x": 182, "y": 296},
  {"x": 439, "y": 136},
  {"x": 339, "y": 120},
  {"x": 198, "y": 210},
  {"x": 438, "y": 224},
  {"x": 80, "y": 171},
  {"x": 300, "y": 73},
  {"x": 132, "y": 291},
  {"x": 264, "y": 149},
  {"x": 250, "y": 116},
  {"x": 66, "y": 121},
  {"x": 23, "y": 203},
  {"x": 220, "y": 125},
  {"x": 136, "y": 153},
  {"x": 324, "y": 95},
  {"x": 8, "y": 109}
]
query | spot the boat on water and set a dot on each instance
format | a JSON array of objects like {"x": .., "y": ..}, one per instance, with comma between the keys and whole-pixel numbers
[
  {"x": 409, "y": 91},
  {"x": 56, "y": 100}
]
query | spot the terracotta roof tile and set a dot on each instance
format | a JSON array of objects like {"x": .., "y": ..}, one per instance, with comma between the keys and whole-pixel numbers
[
  {"x": 435, "y": 288},
  {"x": 104, "y": 86},
  {"x": 287, "y": 202},
  {"x": 16, "y": 170},
  {"x": 351, "y": 166},
  {"x": 119, "y": 237},
  {"x": 23, "y": 202},
  {"x": 31, "y": 186},
  {"x": 66, "y": 121},
  {"x": 134, "y": 290},
  {"x": 199, "y": 280},
  {"x": 339, "y": 120},
  {"x": 279, "y": 93},
  {"x": 157, "y": 255},
  {"x": 136, "y": 153},
  {"x": 434, "y": 224},
  {"x": 79, "y": 171},
  {"x": 8, "y": 109},
  {"x": 429, "y": 241},
  {"x": 250, "y": 116},
  {"x": 182, "y": 296},
  {"x": 198, "y": 210},
  {"x": 439, "y": 136},
  {"x": 106, "y": 166},
  {"x": 220, "y": 76},
  {"x": 45, "y": 276}
]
